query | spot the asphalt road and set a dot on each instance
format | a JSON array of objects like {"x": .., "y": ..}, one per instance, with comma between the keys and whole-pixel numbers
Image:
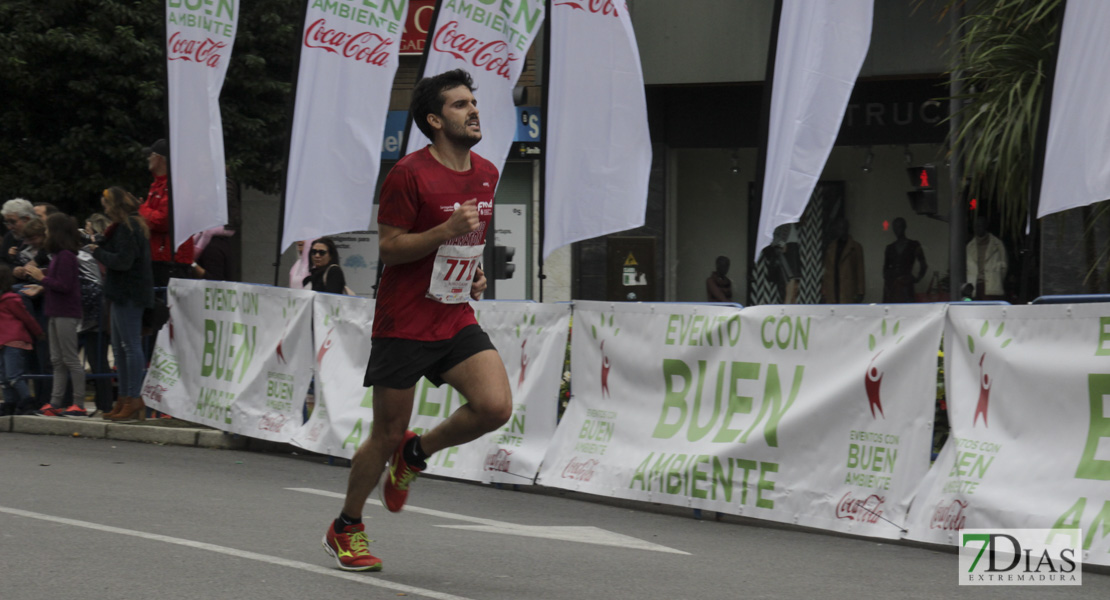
[{"x": 102, "y": 519}]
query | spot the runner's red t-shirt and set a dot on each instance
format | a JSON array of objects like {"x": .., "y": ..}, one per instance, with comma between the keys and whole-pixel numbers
[{"x": 418, "y": 194}]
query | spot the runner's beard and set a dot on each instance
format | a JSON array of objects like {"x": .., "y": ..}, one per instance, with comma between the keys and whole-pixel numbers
[{"x": 461, "y": 136}]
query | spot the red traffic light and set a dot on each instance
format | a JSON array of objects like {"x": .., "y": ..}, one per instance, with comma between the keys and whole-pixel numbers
[{"x": 922, "y": 178}]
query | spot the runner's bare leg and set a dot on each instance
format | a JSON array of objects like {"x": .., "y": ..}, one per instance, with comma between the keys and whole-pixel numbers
[
  {"x": 482, "y": 380},
  {"x": 392, "y": 411}
]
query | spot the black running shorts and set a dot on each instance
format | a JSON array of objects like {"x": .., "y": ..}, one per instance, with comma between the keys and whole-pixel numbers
[{"x": 398, "y": 364}]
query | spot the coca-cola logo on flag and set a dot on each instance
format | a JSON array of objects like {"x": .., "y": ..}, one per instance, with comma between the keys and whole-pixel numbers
[
  {"x": 491, "y": 56},
  {"x": 273, "y": 421},
  {"x": 205, "y": 52},
  {"x": 864, "y": 510},
  {"x": 949, "y": 517},
  {"x": 581, "y": 470},
  {"x": 498, "y": 460},
  {"x": 366, "y": 46},
  {"x": 604, "y": 7}
]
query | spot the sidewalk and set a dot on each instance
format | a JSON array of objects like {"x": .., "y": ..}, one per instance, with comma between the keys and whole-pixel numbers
[{"x": 152, "y": 431}]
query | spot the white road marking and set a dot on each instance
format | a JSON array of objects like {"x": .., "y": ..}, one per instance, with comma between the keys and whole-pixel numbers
[
  {"x": 582, "y": 534},
  {"x": 362, "y": 578}
]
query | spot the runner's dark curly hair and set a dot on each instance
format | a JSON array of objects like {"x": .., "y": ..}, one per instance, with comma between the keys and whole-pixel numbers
[{"x": 428, "y": 99}]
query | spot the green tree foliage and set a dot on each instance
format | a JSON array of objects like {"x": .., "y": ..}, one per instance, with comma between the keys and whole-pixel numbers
[
  {"x": 83, "y": 90},
  {"x": 1004, "y": 47}
]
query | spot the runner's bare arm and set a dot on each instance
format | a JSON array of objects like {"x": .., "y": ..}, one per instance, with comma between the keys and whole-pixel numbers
[
  {"x": 479, "y": 286},
  {"x": 398, "y": 246}
]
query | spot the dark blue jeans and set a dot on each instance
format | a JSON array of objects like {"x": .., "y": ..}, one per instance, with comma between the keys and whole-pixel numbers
[
  {"x": 127, "y": 347},
  {"x": 15, "y": 388}
]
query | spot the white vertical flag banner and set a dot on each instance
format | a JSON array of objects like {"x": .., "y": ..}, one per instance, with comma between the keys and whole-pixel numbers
[
  {"x": 820, "y": 50},
  {"x": 199, "y": 38},
  {"x": 349, "y": 55},
  {"x": 1077, "y": 154},
  {"x": 598, "y": 147},
  {"x": 490, "y": 43}
]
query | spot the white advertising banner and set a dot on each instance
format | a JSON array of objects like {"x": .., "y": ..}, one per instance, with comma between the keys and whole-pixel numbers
[
  {"x": 821, "y": 47},
  {"x": 348, "y": 60},
  {"x": 235, "y": 357},
  {"x": 343, "y": 410},
  {"x": 598, "y": 147},
  {"x": 1030, "y": 426},
  {"x": 199, "y": 38},
  {"x": 817, "y": 416},
  {"x": 531, "y": 339},
  {"x": 490, "y": 42},
  {"x": 1077, "y": 153}
]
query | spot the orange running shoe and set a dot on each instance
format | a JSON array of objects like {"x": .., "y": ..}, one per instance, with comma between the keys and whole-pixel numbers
[
  {"x": 395, "y": 490},
  {"x": 349, "y": 548}
]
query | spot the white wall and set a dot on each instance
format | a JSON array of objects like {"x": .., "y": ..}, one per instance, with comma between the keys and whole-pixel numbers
[
  {"x": 713, "y": 41},
  {"x": 711, "y": 219}
]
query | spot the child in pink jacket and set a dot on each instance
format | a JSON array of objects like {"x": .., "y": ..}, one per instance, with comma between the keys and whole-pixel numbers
[{"x": 17, "y": 331}]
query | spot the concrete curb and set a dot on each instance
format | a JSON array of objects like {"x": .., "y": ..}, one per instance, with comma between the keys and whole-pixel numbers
[
  {"x": 135, "y": 431},
  {"x": 219, "y": 440}
]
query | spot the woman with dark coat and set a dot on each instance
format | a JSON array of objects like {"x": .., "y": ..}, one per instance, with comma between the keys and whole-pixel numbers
[{"x": 129, "y": 286}]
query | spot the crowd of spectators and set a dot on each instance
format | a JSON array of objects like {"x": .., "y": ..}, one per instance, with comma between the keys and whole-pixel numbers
[{"x": 69, "y": 293}]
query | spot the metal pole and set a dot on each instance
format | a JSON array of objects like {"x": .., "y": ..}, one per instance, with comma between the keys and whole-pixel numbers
[
  {"x": 1031, "y": 263},
  {"x": 546, "y": 83},
  {"x": 957, "y": 210}
]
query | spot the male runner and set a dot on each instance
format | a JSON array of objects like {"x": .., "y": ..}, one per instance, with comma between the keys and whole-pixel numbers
[{"x": 433, "y": 215}]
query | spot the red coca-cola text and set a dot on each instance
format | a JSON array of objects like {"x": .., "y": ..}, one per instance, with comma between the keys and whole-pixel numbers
[
  {"x": 580, "y": 470},
  {"x": 864, "y": 510},
  {"x": 205, "y": 52},
  {"x": 949, "y": 517},
  {"x": 605, "y": 7},
  {"x": 274, "y": 422},
  {"x": 494, "y": 57},
  {"x": 498, "y": 460},
  {"x": 367, "y": 47}
]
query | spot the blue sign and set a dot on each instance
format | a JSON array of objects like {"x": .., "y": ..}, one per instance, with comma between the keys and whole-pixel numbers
[
  {"x": 394, "y": 133},
  {"x": 527, "y": 124}
]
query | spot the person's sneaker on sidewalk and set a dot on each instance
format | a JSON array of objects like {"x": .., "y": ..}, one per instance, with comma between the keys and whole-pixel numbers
[
  {"x": 49, "y": 410},
  {"x": 401, "y": 473},
  {"x": 75, "y": 411},
  {"x": 349, "y": 548}
]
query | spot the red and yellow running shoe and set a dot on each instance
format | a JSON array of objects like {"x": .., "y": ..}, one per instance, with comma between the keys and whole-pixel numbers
[
  {"x": 349, "y": 548},
  {"x": 395, "y": 489}
]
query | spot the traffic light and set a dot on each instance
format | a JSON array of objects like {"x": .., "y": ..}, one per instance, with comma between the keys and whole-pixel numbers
[
  {"x": 503, "y": 266},
  {"x": 923, "y": 199}
]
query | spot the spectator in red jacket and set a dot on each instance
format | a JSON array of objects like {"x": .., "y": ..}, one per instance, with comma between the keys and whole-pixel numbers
[
  {"x": 156, "y": 211},
  {"x": 17, "y": 330}
]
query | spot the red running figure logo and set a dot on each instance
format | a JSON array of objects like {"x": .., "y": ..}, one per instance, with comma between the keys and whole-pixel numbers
[{"x": 871, "y": 382}]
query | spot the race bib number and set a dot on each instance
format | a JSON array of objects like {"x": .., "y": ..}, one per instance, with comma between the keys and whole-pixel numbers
[{"x": 453, "y": 273}]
